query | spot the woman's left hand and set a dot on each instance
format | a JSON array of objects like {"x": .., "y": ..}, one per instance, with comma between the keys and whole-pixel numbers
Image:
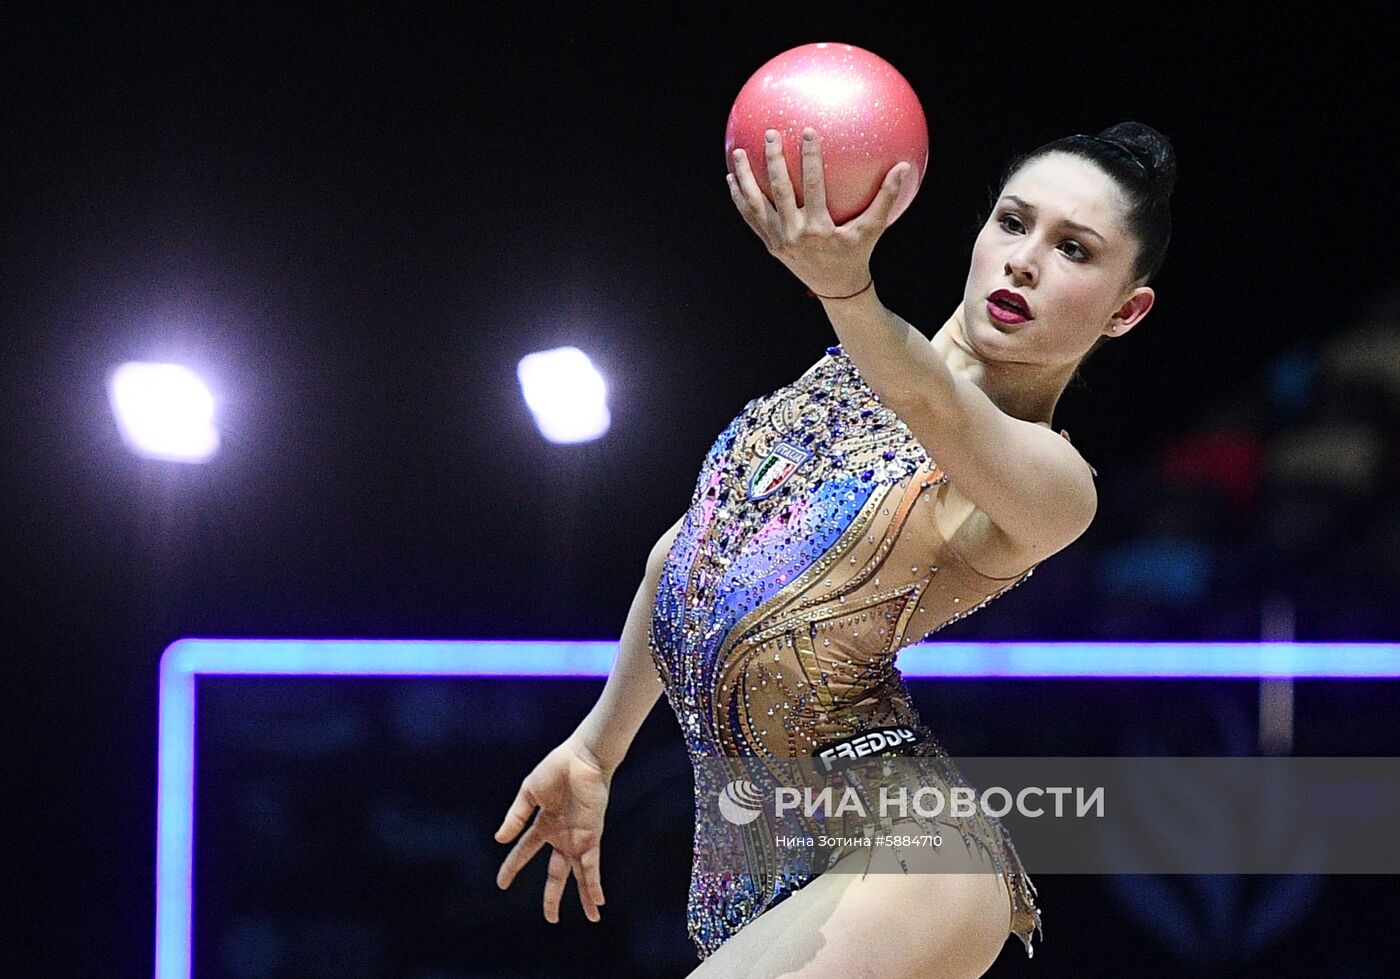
[{"x": 830, "y": 260}]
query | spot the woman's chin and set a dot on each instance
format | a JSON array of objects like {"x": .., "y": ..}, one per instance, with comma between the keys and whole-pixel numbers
[{"x": 983, "y": 334}]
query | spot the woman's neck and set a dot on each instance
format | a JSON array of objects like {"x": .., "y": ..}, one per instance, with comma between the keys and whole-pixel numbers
[{"x": 1025, "y": 391}]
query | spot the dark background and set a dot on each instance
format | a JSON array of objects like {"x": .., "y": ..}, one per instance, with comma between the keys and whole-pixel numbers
[{"x": 355, "y": 221}]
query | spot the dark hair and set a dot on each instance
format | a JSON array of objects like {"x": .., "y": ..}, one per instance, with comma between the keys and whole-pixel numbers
[{"x": 1143, "y": 164}]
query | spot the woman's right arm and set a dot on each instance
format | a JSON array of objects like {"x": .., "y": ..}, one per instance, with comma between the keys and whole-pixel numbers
[
  {"x": 633, "y": 686},
  {"x": 570, "y": 785}
]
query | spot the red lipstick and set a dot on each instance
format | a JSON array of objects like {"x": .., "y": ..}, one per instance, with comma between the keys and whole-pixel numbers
[{"x": 1006, "y": 306}]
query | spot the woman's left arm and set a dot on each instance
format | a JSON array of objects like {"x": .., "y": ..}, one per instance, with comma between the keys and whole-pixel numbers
[{"x": 1031, "y": 483}]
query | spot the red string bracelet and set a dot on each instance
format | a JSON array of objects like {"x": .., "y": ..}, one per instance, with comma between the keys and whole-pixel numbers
[{"x": 815, "y": 295}]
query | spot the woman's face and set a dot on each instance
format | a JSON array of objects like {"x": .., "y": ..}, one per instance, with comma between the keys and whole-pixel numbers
[{"x": 1055, "y": 238}]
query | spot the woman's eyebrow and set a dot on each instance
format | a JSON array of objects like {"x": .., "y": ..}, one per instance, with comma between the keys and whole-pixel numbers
[{"x": 1026, "y": 205}]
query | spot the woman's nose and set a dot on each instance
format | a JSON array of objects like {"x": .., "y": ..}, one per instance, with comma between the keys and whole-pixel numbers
[{"x": 1021, "y": 270}]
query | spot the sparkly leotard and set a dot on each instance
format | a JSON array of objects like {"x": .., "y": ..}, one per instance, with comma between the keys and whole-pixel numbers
[{"x": 808, "y": 557}]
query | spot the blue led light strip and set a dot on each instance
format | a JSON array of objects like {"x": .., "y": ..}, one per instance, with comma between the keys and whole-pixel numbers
[{"x": 188, "y": 658}]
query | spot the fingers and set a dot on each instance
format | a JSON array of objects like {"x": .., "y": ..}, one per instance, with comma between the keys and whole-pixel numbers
[
  {"x": 773, "y": 220},
  {"x": 591, "y": 880},
  {"x": 554, "y": 886},
  {"x": 519, "y": 856},
  {"x": 755, "y": 208},
  {"x": 517, "y": 816},
  {"x": 877, "y": 215},
  {"x": 813, "y": 179},
  {"x": 585, "y": 894},
  {"x": 778, "y": 181}
]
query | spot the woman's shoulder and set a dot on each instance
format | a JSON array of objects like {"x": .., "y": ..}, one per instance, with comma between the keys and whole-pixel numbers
[{"x": 1064, "y": 432}]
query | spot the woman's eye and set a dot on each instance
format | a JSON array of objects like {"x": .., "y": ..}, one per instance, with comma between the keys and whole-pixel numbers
[{"x": 1073, "y": 249}]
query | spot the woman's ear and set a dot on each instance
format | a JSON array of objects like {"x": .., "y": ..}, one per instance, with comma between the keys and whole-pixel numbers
[{"x": 1133, "y": 309}]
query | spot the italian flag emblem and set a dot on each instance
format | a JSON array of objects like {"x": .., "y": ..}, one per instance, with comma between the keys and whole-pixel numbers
[{"x": 780, "y": 463}]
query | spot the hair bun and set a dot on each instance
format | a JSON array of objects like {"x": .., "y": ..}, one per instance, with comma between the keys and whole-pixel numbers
[{"x": 1150, "y": 147}]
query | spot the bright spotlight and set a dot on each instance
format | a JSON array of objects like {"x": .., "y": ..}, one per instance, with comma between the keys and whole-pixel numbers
[
  {"x": 565, "y": 393},
  {"x": 164, "y": 411}
]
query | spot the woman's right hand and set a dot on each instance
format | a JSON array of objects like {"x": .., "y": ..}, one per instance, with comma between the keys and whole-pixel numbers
[{"x": 570, "y": 789}]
